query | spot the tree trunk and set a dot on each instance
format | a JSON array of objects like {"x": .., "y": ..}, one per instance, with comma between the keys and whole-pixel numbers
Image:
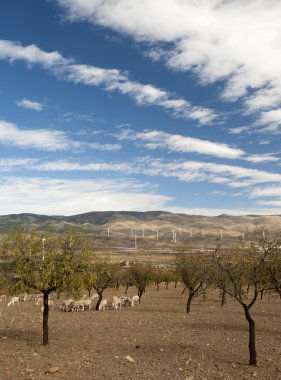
[
  {"x": 89, "y": 293},
  {"x": 140, "y": 293},
  {"x": 176, "y": 283},
  {"x": 223, "y": 297},
  {"x": 167, "y": 285},
  {"x": 99, "y": 301},
  {"x": 252, "y": 337},
  {"x": 261, "y": 295},
  {"x": 157, "y": 286},
  {"x": 189, "y": 300},
  {"x": 45, "y": 318},
  {"x": 127, "y": 287}
]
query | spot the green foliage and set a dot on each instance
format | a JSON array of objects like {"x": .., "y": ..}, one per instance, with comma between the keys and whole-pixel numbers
[{"x": 47, "y": 263}]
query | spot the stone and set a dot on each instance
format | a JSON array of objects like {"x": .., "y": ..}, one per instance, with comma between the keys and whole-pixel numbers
[{"x": 129, "y": 359}]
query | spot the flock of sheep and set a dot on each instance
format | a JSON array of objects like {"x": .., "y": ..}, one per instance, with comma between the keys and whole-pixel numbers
[
  {"x": 85, "y": 303},
  {"x": 70, "y": 304}
]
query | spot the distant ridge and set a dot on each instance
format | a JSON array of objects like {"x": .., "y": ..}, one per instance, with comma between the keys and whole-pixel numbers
[{"x": 135, "y": 219}]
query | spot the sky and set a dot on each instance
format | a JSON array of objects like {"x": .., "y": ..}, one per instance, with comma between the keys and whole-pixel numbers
[{"x": 140, "y": 105}]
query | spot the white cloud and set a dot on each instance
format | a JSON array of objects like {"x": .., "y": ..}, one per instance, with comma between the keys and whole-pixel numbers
[
  {"x": 68, "y": 197},
  {"x": 31, "y": 54},
  {"x": 41, "y": 139},
  {"x": 9, "y": 164},
  {"x": 237, "y": 42},
  {"x": 105, "y": 147},
  {"x": 186, "y": 171},
  {"x": 221, "y": 211},
  {"x": 142, "y": 94},
  {"x": 46, "y": 139},
  {"x": 185, "y": 144},
  {"x": 30, "y": 104},
  {"x": 259, "y": 158},
  {"x": 109, "y": 79}
]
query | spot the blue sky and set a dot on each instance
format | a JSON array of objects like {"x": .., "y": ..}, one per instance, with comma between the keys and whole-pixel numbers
[{"x": 140, "y": 105}]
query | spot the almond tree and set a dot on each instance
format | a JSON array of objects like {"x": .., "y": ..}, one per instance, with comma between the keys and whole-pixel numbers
[
  {"x": 142, "y": 274},
  {"x": 233, "y": 271},
  {"x": 45, "y": 263},
  {"x": 104, "y": 275},
  {"x": 191, "y": 269}
]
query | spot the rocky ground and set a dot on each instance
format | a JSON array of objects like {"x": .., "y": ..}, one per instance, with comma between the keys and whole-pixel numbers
[{"x": 164, "y": 342}]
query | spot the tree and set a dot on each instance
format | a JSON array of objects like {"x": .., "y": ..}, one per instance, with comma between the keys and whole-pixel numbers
[
  {"x": 126, "y": 279},
  {"x": 104, "y": 275},
  {"x": 142, "y": 274},
  {"x": 45, "y": 264},
  {"x": 233, "y": 271},
  {"x": 191, "y": 269}
]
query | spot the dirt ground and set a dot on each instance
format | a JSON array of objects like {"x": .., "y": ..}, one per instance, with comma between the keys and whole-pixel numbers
[{"x": 165, "y": 343}]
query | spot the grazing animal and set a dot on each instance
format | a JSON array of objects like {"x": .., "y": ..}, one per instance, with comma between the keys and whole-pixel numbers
[
  {"x": 135, "y": 300},
  {"x": 103, "y": 304},
  {"x": 13, "y": 301},
  {"x": 116, "y": 302},
  {"x": 3, "y": 298}
]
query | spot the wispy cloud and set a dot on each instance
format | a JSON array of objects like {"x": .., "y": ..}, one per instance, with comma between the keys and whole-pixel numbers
[
  {"x": 153, "y": 139},
  {"x": 59, "y": 196},
  {"x": 108, "y": 79},
  {"x": 187, "y": 171},
  {"x": 30, "y": 104},
  {"x": 241, "y": 47},
  {"x": 41, "y": 139},
  {"x": 46, "y": 140}
]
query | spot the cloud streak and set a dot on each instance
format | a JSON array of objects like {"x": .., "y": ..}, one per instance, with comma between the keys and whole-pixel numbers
[
  {"x": 109, "y": 79},
  {"x": 241, "y": 48},
  {"x": 59, "y": 196}
]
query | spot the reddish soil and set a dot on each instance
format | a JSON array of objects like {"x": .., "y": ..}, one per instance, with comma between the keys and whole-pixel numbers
[{"x": 210, "y": 343}]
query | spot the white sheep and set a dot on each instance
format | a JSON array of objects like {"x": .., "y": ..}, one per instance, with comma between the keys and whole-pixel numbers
[
  {"x": 13, "y": 301},
  {"x": 116, "y": 302},
  {"x": 67, "y": 305},
  {"x": 3, "y": 298},
  {"x": 103, "y": 304},
  {"x": 135, "y": 300},
  {"x": 95, "y": 296}
]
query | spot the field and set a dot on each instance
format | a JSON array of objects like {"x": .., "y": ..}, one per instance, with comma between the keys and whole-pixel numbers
[{"x": 165, "y": 343}]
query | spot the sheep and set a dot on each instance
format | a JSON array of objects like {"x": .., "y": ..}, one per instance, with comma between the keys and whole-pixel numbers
[
  {"x": 116, "y": 302},
  {"x": 126, "y": 301},
  {"x": 129, "y": 302},
  {"x": 103, "y": 304},
  {"x": 67, "y": 305},
  {"x": 24, "y": 297},
  {"x": 13, "y": 301},
  {"x": 135, "y": 300},
  {"x": 95, "y": 296},
  {"x": 77, "y": 306},
  {"x": 3, "y": 298}
]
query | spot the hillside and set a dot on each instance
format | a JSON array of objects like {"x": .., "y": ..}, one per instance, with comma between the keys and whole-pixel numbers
[{"x": 128, "y": 223}]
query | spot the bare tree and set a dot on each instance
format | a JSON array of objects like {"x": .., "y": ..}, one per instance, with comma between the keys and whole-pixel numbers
[{"x": 233, "y": 271}]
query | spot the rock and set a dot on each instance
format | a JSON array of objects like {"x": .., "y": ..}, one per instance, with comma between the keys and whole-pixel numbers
[
  {"x": 255, "y": 374},
  {"x": 129, "y": 359},
  {"x": 29, "y": 370},
  {"x": 53, "y": 370}
]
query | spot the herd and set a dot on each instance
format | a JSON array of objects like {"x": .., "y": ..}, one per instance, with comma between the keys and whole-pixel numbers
[{"x": 73, "y": 305}]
